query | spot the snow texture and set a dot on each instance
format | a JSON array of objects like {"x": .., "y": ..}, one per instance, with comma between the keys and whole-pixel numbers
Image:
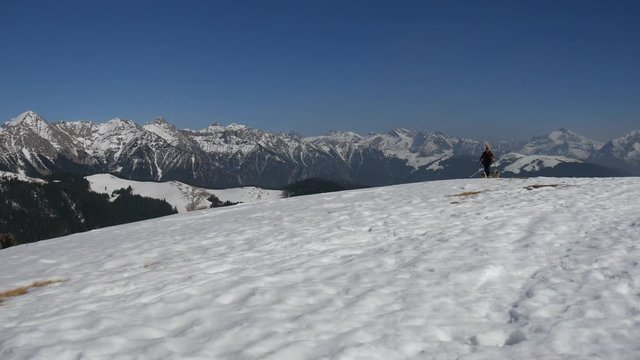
[
  {"x": 531, "y": 163},
  {"x": 183, "y": 196},
  {"x": 459, "y": 269}
]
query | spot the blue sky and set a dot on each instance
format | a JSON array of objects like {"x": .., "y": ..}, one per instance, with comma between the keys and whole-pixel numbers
[{"x": 482, "y": 69}]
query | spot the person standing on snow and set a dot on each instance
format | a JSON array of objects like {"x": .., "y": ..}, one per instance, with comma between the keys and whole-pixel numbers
[{"x": 486, "y": 160}]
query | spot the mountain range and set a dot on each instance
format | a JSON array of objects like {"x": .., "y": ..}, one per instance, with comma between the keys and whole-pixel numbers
[{"x": 236, "y": 155}]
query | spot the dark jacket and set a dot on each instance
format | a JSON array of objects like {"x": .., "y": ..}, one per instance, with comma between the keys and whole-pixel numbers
[{"x": 487, "y": 158}]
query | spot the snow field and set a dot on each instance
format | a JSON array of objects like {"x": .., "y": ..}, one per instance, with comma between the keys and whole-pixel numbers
[
  {"x": 401, "y": 272},
  {"x": 184, "y": 197}
]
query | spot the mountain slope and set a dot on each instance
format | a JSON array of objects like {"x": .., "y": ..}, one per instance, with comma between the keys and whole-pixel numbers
[
  {"x": 182, "y": 196},
  {"x": 562, "y": 142},
  {"x": 29, "y": 145},
  {"x": 465, "y": 269},
  {"x": 623, "y": 152},
  {"x": 236, "y": 155}
]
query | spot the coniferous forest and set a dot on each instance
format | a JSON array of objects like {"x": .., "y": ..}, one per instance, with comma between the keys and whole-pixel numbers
[{"x": 64, "y": 205}]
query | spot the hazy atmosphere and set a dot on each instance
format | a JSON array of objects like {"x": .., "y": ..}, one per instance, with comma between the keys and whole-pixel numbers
[{"x": 490, "y": 69}]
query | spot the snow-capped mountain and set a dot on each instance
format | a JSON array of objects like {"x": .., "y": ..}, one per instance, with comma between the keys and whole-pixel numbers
[
  {"x": 400, "y": 155},
  {"x": 623, "y": 152},
  {"x": 104, "y": 141},
  {"x": 458, "y": 269},
  {"x": 519, "y": 164},
  {"x": 30, "y": 145},
  {"x": 236, "y": 155},
  {"x": 562, "y": 142},
  {"x": 416, "y": 148}
]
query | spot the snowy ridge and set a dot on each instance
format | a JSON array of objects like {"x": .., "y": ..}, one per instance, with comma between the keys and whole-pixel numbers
[
  {"x": 182, "y": 196},
  {"x": 518, "y": 163},
  {"x": 462, "y": 269},
  {"x": 623, "y": 152},
  {"x": 5, "y": 175},
  {"x": 420, "y": 148},
  {"x": 29, "y": 123},
  {"x": 164, "y": 130},
  {"x": 628, "y": 146},
  {"x": 237, "y": 155},
  {"x": 562, "y": 142},
  {"x": 417, "y": 148}
]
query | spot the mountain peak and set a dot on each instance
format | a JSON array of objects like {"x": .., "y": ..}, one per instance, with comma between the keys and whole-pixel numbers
[
  {"x": 160, "y": 120},
  {"x": 562, "y": 142},
  {"x": 400, "y": 132},
  {"x": 341, "y": 133},
  {"x": 119, "y": 124},
  {"x": 234, "y": 126},
  {"x": 213, "y": 128},
  {"x": 27, "y": 117}
]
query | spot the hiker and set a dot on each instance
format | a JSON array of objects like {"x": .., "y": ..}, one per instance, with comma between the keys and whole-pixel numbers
[{"x": 486, "y": 160}]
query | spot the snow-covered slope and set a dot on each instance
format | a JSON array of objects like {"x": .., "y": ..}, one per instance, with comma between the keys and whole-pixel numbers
[
  {"x": 415, "y": 148},
  {"x": 461, "y": 269},
  {"x": 183, "y": 196},
  {"x": 623, "y": 152},
  {"x": 6, "y": 175},
  {"x": 562, "y": 142},
  {"x": 518, "y": 163}
]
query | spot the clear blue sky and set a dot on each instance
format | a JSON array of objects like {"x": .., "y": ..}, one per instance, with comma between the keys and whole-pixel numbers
[{"x": 484, "y": 69}]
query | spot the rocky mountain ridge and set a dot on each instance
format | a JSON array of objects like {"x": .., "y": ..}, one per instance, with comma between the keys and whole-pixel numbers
[{"x": 236, "y": 155}]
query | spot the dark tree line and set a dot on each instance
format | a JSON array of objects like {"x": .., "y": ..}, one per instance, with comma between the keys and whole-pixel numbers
[
  {"x": 317, "y": 186},
  {"x": 64, "y": 205},
  {"x": 216, "y": 202}
]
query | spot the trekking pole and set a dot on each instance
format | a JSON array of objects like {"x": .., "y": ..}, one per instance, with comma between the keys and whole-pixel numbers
[{"x": 474, "y": 174}]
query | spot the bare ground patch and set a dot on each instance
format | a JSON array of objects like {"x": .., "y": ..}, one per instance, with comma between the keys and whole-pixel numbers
[
  {"x": 467, "y": 193},
  {"x": 19, "y": 291},
  {"x": 538, "y": 186}
]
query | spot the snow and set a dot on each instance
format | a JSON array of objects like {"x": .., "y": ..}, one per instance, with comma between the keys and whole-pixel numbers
[
  {"x": 529, "y": 163},
  {"x": 236, "y": 127},
  {"x": 25, "y": 116},
  {"x": 418, "y": 271},
  {"x": 634, "y": 154},
  {"x": 184, "y": 197},
  {"x": 562, "y": 142},
  {"x": 30, "y": 122},
  {"x": 336, "y": 137},
  {"x": 164, "y": 131},
  {"x": 19, "y": 176},
  {"x": 113, "y": 136}
]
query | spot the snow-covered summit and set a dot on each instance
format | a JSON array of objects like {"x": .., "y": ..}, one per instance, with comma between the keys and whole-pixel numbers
[
  {"x": 623, "y": 152},
  {"x": 165, "y": 130},
  {"x": 562, "y": 142},
  {"x": 517, "y": 163},
  {"x": 31, "y": 121},
  {"x": 628, "y": 146},
  {"x": 236, "y": 155},
  {"x": 27, "y": 117},
  {"x": 540, "y": 268},
  {"x": 236, "y": 127},
  {"x": 337, "y": 137}
]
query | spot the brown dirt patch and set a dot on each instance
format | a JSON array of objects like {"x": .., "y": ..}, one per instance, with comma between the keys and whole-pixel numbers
[
  {"x": 538, "y": 186},
  {"x": 19, "y": 291},
  {"x": 467, "y": 193}
]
